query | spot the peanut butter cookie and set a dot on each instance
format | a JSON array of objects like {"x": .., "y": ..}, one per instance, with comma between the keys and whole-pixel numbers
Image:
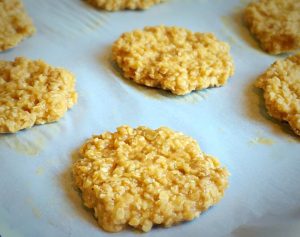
[
  {"x": 32, "y": 92},
  {"x": 281, "y": 85},
  {"x": 143, "y": 177},
  {"x": 276, "y": 24},
  {"x": 15, "y": 24},
  {"x": 173, "y": 58},
  {"x": 117, "y": 5}
]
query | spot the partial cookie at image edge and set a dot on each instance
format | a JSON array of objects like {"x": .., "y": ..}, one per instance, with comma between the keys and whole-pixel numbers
[
  {"x": 15, "y": 24},
  {"x": 33, "y": 92},
  {"x": 275, "y": 24},
  {"x": 281, "y": 86},
  {"x": 113, "y": 5}
]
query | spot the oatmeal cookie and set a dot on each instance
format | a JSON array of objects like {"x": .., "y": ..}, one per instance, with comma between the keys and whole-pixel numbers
[
  {"x": 173, "y": 58},
  {"x": 32, "y": 92},
  {"x": 276, "y": 24},
  {"x": 142, "y": 177},
  {"x": 281, "y": 85},
  {"x": 116, "y": 5},
  {"x": 15, "y": 24}
]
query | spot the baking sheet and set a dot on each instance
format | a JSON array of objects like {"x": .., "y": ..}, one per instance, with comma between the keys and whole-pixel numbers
[{"x": 231, "y": 123}]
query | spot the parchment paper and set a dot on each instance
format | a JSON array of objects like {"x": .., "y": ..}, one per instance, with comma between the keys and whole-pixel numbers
[{"x": 36, "y": 193}]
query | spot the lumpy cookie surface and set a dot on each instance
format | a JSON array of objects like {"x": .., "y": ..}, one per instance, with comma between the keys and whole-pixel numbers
[
  {"x": 173, "y": 58},
  {"x": 281, "y": 85},
  {"x": 32, "y": 92},
  {"x": 116, "y": 5},
  {"x": 142, "y": 177},
  {"x": 276, "y": 24},
  {"x": 15, "y": 24}
]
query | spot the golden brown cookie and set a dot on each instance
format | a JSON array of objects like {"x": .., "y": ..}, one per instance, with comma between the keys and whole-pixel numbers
[
  {"x": 173, "y": 58},
  {"x": 116, "y": 5},
  {"x": 276, "y": 24},
  {"x": 15, "y": 25},
  {"x": 281, "y": 85},
  {"x": 32, "y": 92},
  {"x": 143, "y": 177}
]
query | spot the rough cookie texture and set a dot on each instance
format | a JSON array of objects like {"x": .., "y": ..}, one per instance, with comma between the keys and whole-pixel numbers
[
  {"x": 32, "y": 92},
  {"x": 173, "y": 58},
  {"x": 15, "y": 25},
  {"x": 142, "y": 177},
  {"x": 281, "y": 85},
  {"x": 115, "y": 5},
  {"x": 276, "y": 24}
]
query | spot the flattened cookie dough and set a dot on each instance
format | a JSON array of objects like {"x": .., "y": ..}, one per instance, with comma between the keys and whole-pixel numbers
[
  {"x": 116, "y": 5},
  {"x": 15, "y": 24},
  {"x": 142, "y": 177},
  {"x": 275, "y": 23},
  {"x": 281, "y": 85},
  {"x": 173, "y": 58},
  {"x": 32, "y": 92}
]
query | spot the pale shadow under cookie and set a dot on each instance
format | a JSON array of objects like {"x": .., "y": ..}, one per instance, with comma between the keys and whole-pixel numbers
[
  {"x": 234, "y": 21},
  {"x": 74, "y": 195},
  {"x": 256, "y": 110}
]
